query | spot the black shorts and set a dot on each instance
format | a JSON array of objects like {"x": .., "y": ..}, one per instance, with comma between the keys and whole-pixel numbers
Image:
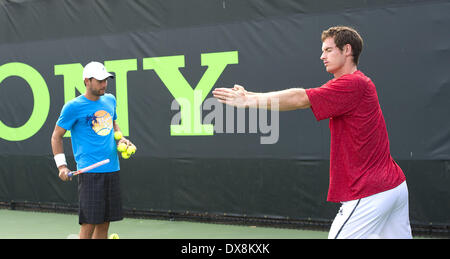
[{"x": 99, "y": 198}]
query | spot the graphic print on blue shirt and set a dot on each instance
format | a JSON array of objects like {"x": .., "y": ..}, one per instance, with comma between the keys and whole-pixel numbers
[{"x": 101, "y": 122}]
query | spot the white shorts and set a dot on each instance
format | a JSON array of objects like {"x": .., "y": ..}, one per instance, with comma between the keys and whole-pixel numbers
[{"x": 382, "y": 215}]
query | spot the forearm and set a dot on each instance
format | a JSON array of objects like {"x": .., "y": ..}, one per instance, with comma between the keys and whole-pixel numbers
[
  {"x": 285, "y": 100},
  {"x": 122, "y": 139},
  {"x": 116, "y": 126},
  {"x": 58, "y": 152}
]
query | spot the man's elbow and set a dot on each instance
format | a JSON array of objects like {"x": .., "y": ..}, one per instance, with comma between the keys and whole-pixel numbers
[
  {"x": 56, "y": 137},
  {"x": 58, "y": 134}
]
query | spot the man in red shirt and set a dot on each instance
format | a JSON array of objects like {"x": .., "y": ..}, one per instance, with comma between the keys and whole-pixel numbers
[{"x": 363, "y": 175}]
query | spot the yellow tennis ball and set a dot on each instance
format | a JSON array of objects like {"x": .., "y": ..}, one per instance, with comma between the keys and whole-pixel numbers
[
  {"x": 118, "y": 135},
  {"x": 131, "y": 150},
  {"x": 125, "y": 155},
  {"x": 113, "y": 236},
  {"x": 122, "y": 147}
]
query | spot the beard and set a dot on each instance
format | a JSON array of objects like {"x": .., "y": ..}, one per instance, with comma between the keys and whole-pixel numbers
[{"x": 99, "y": 92}]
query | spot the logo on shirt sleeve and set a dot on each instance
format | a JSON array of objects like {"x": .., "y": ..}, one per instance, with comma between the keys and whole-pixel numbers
[{"x": 101, "y": 122}]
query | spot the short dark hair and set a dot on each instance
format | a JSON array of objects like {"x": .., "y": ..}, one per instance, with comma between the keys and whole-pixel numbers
[{"x": 345, "y": 35}]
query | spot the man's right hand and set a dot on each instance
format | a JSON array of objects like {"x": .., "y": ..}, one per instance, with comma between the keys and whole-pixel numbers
[
  {"x": 236, "y": 96},
  {"x": 63, "y": 171}
]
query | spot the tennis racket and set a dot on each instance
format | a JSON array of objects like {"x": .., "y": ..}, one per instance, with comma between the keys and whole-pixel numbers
[{"x": 88, "y": 168}]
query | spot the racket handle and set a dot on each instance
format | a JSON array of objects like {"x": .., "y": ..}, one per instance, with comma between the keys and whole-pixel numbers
[{"x": 70, "y": 174}]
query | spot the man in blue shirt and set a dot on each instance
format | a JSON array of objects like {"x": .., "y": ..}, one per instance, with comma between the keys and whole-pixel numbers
[{"x": 91, "y": 119}]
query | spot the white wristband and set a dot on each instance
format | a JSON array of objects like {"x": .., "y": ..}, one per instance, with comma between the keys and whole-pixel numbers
[{"x": 60, "y": 159}]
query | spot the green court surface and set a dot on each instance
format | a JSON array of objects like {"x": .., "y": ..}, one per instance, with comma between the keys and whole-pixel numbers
[{"x": 16, "y": 224}]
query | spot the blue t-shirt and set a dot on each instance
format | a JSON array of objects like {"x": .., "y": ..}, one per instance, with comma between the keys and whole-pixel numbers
[{"x": 91, "y": 127}]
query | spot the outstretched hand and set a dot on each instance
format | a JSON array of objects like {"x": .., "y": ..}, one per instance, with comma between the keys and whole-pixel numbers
[{"x": 236, "y": 96}]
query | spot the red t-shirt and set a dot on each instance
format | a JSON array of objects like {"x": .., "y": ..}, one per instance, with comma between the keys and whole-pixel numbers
[{"x": 360, "y": 161}]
